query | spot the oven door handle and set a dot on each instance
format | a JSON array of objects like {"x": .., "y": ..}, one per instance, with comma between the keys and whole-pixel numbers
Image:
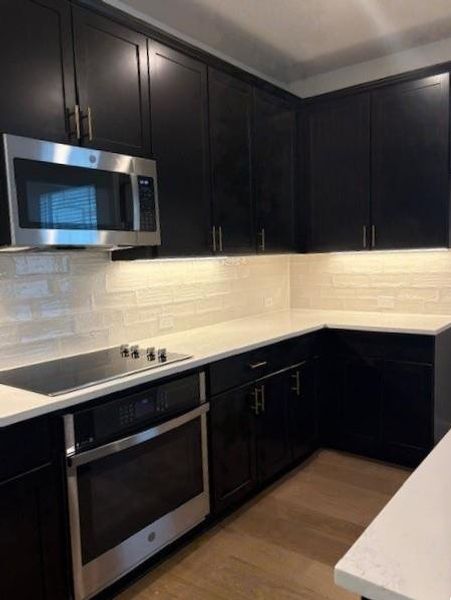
[{"x": 138, "y": 438}]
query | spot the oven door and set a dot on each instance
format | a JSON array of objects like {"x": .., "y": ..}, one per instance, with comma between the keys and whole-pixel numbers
[
  {"x": 61, "y": 195},
  {"x": 130, "y": 498}
]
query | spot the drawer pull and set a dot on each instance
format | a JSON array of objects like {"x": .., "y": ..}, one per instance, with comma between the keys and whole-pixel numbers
[{"x": 258, "y": 365}]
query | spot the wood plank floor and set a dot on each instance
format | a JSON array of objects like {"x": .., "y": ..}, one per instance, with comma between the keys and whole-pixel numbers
[{"x": 283, "y": 544}]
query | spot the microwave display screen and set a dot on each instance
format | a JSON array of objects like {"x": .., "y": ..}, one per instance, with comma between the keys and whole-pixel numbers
[{"x": 52, "y": 196}]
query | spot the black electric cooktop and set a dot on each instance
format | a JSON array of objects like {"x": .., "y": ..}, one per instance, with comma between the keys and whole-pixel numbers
[{"x": 73, "y": 373}]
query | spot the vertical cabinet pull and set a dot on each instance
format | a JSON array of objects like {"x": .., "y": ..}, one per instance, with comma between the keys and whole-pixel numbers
[
  {"x": 76, "y": 116},
  {"x": 262, "y": 234},
  {"x": 90, "y": 128},
  {"x": 365, "y": 240},
  {"x": 373, "y": 236},
  {"x": 258, "y": 405},
  {"x": 297, "y": 383},
  {"x": 213, "y": 236},
  {"x": 220, "y": 238}
]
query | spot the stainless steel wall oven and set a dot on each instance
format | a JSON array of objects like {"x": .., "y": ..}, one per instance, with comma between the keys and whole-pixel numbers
[{"x": 137, "y": 476}]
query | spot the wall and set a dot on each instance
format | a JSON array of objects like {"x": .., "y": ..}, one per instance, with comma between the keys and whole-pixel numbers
[
  {"x": 57, "y": 304},
  {"x": 409, "y": 281}
]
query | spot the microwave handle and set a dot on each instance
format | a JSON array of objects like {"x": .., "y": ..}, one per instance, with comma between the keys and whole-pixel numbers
[
  {"x": 136, "y": 203},
  {"x": 139, "y": 438}
]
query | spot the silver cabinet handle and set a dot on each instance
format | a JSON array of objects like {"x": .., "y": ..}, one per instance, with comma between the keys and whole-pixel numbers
[
  {"x": 90, "y": 128},
  {"x": 373, "y": 236},
  {"x": 262, "y": 395},
  {"x": 262, "y": 239},
  {"x": 297, "y": 383},
  {"x": 258, "y": 365},
  {"x": 256, "y": 405},
  {"x": 365, "y": 240},
  {"x": 220, "y": 238},
  {"x": 76, "y": 115},
  {"x": 213, "y": 235}
]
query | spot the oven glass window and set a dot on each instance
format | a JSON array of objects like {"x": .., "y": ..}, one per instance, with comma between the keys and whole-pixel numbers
[
  {"x": 124, "y": 492},
  {"x": 54, "y": 196}
]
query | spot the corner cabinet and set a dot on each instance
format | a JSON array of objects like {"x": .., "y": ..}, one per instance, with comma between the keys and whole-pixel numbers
[
  {"x": 337, "y": 160},
  {"x": 112, "y": 83},
  {"x": 231, "y": 103},
  {"x": 410, "y": 138},
  {"x": 274, "y": 164},
  {"x": 38, "y": 86},
  {"x": 179, "y": 103}
]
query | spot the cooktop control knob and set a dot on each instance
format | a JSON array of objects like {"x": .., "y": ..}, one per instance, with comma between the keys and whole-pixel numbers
[
  {"x": 150, "y": 353},
  {"x": 125, "y": 350},
  {"x": 134, "y": 351},
  {"x": 162, "y": 355}
]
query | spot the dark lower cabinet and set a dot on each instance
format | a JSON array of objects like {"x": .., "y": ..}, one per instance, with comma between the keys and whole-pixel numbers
[
  {"x": 271, "y": 426},
  {"x": 32, "y": 553},
  {"x": 112, "y": 83},
  {"x": 273, "y": 169},
  {"x": 302, "y": 408},
  {"x": 233, "y": 452},
  {"x": 179, "y": 105},
  {"x": 231, "y": 101},
  {"x": 410, "y": 141},
  {"x": 37, "y": 68}
]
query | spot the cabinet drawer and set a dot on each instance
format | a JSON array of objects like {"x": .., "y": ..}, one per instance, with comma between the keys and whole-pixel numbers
[
  {"x": 387, "y": 346},
  {"x": 248, "y": 366},
  {"x": 25, "y": 445}
]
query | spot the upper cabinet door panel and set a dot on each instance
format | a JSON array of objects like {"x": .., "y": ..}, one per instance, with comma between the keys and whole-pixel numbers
[
  {"x": 179, "y": 104},
  {"x": 230, "y": 130},
  {"x": 113, "y": 82},
  {"x": 410, "y": 164},
  {"x": 274, "y": 164},
  {"x": 37, "y": 68},
  {"x": 338, "y": 159}
]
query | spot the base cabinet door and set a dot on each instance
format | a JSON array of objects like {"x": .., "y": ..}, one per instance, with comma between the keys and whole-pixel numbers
[
  {"x": 271, "y": 426},
  {"x": 407, "y": 411},
  {"x": 301, "y": 386},
  {"x": 233, "y": 460},
  {"x": 31, "y": 551}
]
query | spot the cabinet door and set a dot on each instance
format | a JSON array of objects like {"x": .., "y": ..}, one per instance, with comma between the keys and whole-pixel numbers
[
  {"x": 359, "y": 395},
  {"x": 301, "y": 385},
  {"x": 37, "y": 68},
  {"x": 407, "y": 411},
  {"x": 273, "y": 168},
  {"x": 113, "y": 83},
  {"x": 230, "y": 136},
  {"x": 338, "y": 165},
  {"x": 31, "y": 551},
  {"x": 232, "y": 447},
  {"x": 410, "y": 164},
  {"x": 273, "y": 444},
  {"x": 180, "y": 145}
]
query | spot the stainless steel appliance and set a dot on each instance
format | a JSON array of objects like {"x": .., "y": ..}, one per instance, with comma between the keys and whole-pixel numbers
[
  {"x": 61, "y": 195},
  {"x": 137, "y": 476},
  {"x": 66, "y": 375}
]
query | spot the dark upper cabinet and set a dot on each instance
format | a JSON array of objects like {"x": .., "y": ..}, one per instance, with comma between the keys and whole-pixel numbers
[
  {"x": 336, "y": 143},
  {"x": 37, "y": 68},
  {"x": 410, "y": 164},
  {"x": 407, "y": 412},
  {"x": 271, "y": 426},
  {"x": 274, "y": 172},
  {"x": 302, "y": 407},
  {"x": 233, "y": 456},
  {"x": 179, "y": 104},
  {"x": 230, "y": 102},
  {"x": 113, "y": 84}
]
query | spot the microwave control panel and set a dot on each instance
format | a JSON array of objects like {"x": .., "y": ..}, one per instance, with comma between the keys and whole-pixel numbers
[{"x": 146, "y": 190}]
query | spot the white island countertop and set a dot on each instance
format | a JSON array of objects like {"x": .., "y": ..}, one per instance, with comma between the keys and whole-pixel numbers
[
  {"x": 405, "y": 554},
  {"x": 214, "y": 342}
]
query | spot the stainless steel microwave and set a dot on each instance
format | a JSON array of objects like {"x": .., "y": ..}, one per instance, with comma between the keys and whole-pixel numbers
[{"x": 59, "y": 195}]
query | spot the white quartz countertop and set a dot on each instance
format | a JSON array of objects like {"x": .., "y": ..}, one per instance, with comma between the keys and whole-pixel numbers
[
  {"x": 405, "y": 554},
  {"x": 207, "y": 344}
]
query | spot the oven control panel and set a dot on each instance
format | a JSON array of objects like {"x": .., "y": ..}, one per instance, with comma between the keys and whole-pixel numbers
[
  {"x": 132, "y": 412},
  {"x": 146, "y": 190}
]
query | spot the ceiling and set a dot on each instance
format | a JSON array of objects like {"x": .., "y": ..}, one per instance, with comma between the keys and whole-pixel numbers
[{"x": 289, "y": 40}]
